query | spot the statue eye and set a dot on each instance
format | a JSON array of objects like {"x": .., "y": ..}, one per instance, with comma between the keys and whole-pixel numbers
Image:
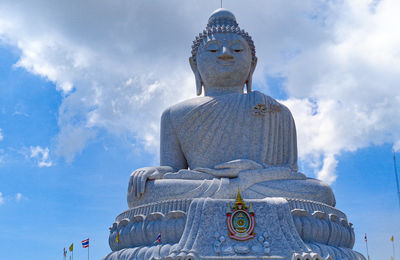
[
  {"x": 212, "y": 48},
  {"x": 236, "y": 47}
]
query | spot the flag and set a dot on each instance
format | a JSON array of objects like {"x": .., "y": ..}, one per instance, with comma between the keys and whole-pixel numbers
[
  {"x": 71, "y": 247},
  {"x": 117, "y": 238},
  {"x": 158, "y": 238},
  {"x": 365, "y": 237},
  {"x": 85, "y": 243},
  {"x": 65, "y": 252},
  {"x": 392, "y": 239}
]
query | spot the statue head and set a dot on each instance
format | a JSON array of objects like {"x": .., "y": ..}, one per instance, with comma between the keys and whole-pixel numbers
[{"x": 223, "y": 56}]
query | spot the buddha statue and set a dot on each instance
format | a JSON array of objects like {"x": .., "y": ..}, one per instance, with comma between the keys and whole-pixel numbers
[
  {"x": 226, "y": 138},
  {"x": 228, "y": 143}
]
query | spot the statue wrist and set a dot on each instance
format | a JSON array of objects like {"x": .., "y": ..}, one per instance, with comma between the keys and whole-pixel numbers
[{"x": 165, "y": 169}]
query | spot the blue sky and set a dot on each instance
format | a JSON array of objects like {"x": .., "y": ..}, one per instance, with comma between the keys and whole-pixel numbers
[
  {"x": 82, "y": 88},
  {"x": 63, "y": 203}
]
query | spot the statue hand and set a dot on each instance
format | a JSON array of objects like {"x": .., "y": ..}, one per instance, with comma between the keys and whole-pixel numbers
[
  {"x": 139, "y": 177},
  {"x": 240, "y": 164},
  {"x": 185, "y": 174},
  {"x": 250, "y": 177},
  {"x": 231, "y": 169},
  {"x": 222, "y": 173}
]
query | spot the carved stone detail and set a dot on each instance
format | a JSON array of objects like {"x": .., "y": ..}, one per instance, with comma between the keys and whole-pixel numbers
[{"x": 142, "y": 230}]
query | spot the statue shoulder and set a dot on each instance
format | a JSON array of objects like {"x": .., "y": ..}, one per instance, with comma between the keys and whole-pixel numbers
[
  {"x": 271, "y": 103},
  {"x": 186, "y": 106},
  {"x": 177, "y": 110}
]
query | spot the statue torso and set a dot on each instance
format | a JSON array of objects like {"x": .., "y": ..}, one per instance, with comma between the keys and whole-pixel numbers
[{"x": 214, "y": 130}]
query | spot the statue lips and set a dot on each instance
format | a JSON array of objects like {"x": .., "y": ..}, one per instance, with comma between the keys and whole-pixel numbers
[
  {"x": 226, "y": 63},
  {"x": 226, "y": 60}
]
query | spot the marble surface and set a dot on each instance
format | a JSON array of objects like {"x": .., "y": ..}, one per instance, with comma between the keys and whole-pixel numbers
[
  {"x": 226, "y": 124},
  {"x": 308, "y": 231},
  {"x": 295, "y": 186},
  {"x": 218, "y": 144}
]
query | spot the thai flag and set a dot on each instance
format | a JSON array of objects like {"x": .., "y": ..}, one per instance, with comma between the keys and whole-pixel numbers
[
  {"x": 85, "y": 243},
  {"x": 158, "y": 239}
]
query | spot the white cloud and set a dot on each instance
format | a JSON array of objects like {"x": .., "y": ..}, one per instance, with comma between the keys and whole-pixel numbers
[
  {"x": 19, "y": 197},
  {"x": 348, "y": 97},
  {"x": 1, "y": 198},
  {"x": 41, "y": 155},
  {"x": 1, "y": 134},
  {"x": 122, "y": 63},
  {"x": 396, "y": 146}
]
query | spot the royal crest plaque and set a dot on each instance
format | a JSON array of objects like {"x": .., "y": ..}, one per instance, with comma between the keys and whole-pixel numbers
[{"x": 240, "y": 220}]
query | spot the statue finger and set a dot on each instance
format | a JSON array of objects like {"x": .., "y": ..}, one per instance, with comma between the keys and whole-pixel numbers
[
  {"x": 134, "y": 184},
  {"x": 154, "y": 175},
  {"x": 138, "y": 182},
  {"x": 130, "y": 184},
  {"x": 143, "y": 180}
]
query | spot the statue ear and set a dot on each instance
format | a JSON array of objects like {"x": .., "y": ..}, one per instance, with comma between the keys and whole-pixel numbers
[
  {"x": 199, "y": 82},
  {"x": 249, "y": 80}
]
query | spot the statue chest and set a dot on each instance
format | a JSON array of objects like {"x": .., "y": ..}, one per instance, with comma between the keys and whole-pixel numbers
[{"x": 244, "y": 127}]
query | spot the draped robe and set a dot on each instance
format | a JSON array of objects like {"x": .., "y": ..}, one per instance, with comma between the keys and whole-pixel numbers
[{"x": 206, "y": 131}]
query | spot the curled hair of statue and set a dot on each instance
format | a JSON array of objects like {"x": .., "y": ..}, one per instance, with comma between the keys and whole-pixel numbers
[
  {"x": 222, "y": 21},
  {"x": 223, "y": 29}
]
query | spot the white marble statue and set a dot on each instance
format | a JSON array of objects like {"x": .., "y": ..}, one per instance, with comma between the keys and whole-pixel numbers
[
  {"x": 249, "y": 138},
  {"x": 214, "y": 146}
]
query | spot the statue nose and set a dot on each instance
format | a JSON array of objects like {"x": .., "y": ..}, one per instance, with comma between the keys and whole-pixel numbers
[{"x": 225, "y": 55}]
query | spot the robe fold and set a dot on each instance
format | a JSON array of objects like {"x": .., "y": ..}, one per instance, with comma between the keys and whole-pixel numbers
[{"x": 208, "y": 131}]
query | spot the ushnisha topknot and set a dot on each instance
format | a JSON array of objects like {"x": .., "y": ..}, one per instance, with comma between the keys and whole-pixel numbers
[{"x": 222, "y": 21}]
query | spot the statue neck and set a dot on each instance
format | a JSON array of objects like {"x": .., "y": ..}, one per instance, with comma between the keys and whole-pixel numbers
[{"x": 218, "y": 91}]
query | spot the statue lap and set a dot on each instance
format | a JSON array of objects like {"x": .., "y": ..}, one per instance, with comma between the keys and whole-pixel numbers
[{"x": 170, "y": 189}]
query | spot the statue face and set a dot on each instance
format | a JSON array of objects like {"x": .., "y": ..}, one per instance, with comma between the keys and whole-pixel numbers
[{"x": 224, "y": 60}]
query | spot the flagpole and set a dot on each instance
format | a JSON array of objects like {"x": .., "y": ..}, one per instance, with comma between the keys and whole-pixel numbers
[
  {"x": 366, "y": 244},
  {"x": 88, "y": 252},
  {"x": 394, "y": 255},
  {"x": 396, "y": 175}
]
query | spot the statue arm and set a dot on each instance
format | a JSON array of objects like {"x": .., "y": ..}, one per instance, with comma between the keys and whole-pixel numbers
[
  {"x": 292, "y": 143},
  {"x": 170, "y": 148},
  {"x": 171, "y": 160}
]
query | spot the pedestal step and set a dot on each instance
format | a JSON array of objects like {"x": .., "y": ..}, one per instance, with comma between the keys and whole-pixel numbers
[{"x": 284, "y": 229}]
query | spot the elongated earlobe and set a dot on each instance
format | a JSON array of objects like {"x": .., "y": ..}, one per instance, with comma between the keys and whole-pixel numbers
[
  {"x": 199, "y": 82},
  {"x": 249, "y": 80},
  {"x": 199, "y": 86},
  {"x": 248, "y": 85}
]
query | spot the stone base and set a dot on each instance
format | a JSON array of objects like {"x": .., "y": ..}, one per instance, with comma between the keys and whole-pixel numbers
[{"x": 197, "y": 229}]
